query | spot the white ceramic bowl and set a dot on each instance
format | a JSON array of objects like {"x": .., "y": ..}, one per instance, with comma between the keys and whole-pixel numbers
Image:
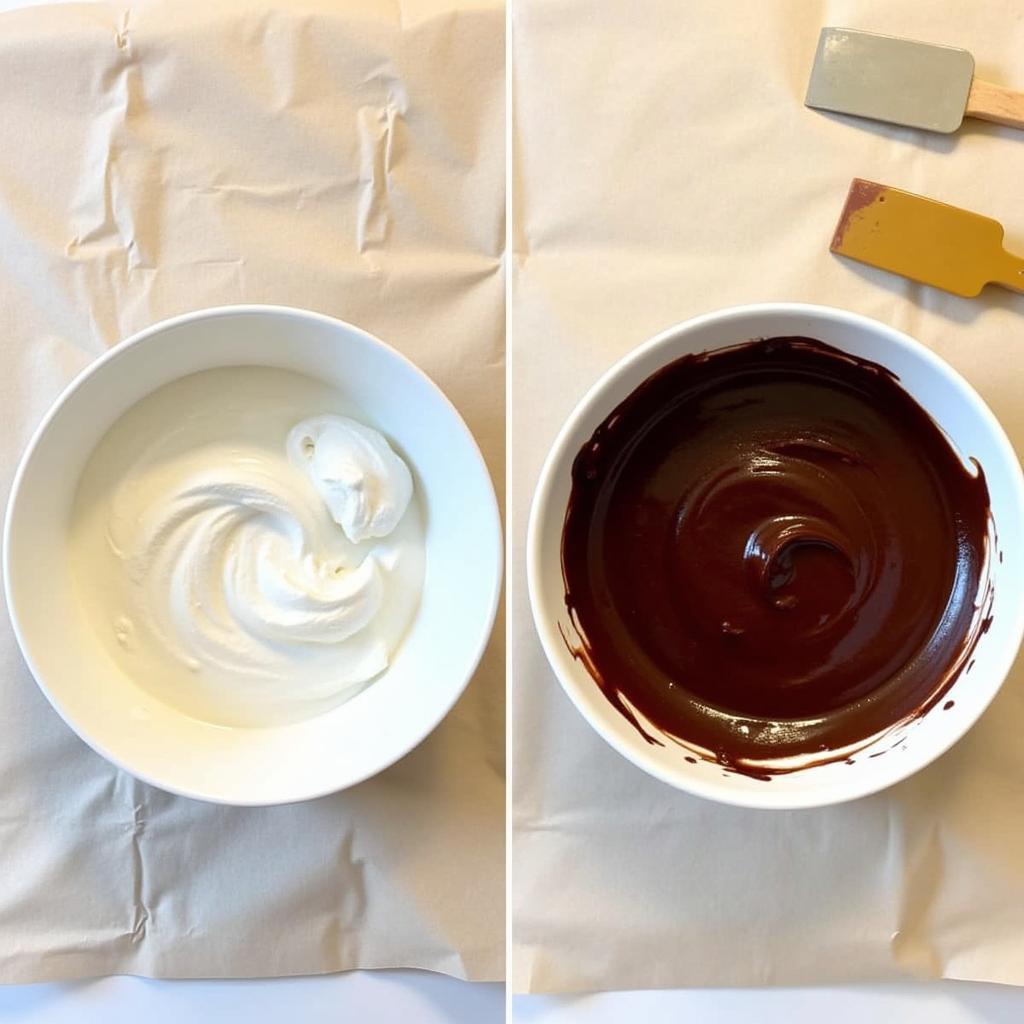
[
  {"x": 333, "y": 750},
  {"x": 973, "y": 431}
]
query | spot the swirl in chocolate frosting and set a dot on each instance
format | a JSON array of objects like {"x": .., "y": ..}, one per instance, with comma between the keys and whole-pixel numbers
[{"x": 771, "y": 552}]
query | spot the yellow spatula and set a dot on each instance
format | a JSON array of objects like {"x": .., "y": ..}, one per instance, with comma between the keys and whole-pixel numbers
[{"x": 925, "y": 240}]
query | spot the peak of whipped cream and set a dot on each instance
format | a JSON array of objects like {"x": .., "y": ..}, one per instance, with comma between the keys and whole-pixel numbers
[{"x": 365, "y": 485}]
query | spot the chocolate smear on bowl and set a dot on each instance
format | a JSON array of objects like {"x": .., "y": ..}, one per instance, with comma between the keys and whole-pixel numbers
[{"x": 772, "y": 554}]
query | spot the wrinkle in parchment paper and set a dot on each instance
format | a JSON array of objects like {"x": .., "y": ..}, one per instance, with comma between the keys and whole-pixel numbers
[{"x": 165, "y": 157}]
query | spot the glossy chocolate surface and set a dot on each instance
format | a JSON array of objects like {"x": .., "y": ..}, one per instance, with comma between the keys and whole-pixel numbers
[{"x": 772, "y": 550}]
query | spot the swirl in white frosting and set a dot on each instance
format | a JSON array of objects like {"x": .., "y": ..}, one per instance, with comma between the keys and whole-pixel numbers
[{"x": 248, "y": 568}]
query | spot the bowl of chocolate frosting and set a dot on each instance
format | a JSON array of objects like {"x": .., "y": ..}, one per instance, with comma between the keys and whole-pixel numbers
[{"x": 774, "y": 556}]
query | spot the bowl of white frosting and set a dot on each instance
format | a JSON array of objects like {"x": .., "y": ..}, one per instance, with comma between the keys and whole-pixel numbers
[{"x": 252, "y": 555}]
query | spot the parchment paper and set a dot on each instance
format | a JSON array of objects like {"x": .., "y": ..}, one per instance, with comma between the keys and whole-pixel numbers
[
  {"x": 341, "y": 156},
  {"x": 664, "y": 166}
]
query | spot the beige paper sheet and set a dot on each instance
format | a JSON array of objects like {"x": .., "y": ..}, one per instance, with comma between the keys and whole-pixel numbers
[
  {"x": 341, "y": 156},
  {"x": 664, "y": 166}
]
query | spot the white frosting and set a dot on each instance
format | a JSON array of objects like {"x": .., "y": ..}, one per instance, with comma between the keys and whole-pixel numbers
[
  {"x": 365, "y": 484},
  {"x": 247, "y": 564}
]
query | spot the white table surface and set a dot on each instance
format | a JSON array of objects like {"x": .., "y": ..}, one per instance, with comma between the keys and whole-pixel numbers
[
  {"x": 941, "y": 1002},
  {"x": 408, "y": 996},
  {"x": 382, "y": 997},
  {"x": 373, "y": 997}
]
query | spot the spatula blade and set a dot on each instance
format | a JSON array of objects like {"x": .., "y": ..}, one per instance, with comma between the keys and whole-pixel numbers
[
  {"x": 887, "y": 79},
  {"x": 919, "y": 238}
]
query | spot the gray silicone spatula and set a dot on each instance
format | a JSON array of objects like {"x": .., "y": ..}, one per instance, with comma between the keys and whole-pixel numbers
[{"x": 897, "y": 80}]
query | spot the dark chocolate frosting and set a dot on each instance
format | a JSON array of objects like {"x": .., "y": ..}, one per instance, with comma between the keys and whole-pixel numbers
[{"x": 772, "y": 550}]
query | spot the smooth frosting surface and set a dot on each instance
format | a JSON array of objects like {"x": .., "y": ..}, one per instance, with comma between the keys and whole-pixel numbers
[{"x": 773, "y": 554}]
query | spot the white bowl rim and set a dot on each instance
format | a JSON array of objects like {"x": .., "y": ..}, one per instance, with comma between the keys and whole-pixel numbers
[
  {"x": 540, "y": 509},
  {"x": 491, "y": 510}
]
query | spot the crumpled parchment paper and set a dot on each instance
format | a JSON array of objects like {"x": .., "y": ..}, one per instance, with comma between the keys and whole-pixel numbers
[
  {"x": 341, "y": 156},
  {"x": 664, "y": 166}
]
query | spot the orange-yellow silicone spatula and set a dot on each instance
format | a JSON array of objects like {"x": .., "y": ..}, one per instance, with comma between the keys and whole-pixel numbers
[{"x": 925, "y": 240}]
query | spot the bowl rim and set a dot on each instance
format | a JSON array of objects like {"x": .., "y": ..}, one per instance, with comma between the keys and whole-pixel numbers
[
  {"x": 636, "y": 751},
  {"x": 490, "y": 509}
]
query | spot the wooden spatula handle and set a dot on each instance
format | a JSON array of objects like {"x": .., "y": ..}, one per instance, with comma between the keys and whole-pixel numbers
[
  {"x": 1010, "y": 272},
  {"x": 995, "y": 103}
]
